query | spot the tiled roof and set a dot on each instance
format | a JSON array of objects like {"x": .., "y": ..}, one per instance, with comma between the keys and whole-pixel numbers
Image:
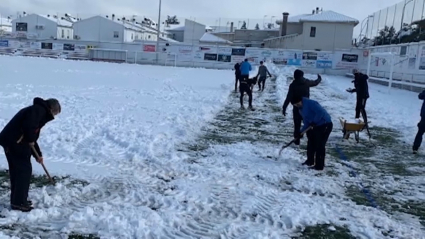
[{"x": 325, "y": 16}]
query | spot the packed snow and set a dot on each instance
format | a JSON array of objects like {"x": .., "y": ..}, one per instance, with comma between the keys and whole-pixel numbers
[{"x": 122, "y": 128}]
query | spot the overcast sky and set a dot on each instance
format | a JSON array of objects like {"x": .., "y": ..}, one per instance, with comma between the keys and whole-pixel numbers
[{"x": 204, "y": 11}]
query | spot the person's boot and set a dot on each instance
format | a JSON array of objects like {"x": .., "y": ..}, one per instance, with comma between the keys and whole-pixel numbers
[
  {"x": 242, "y": 107},
  {"x": 251, "y": 108},
  {"x": 22, "y": 207},
  {"x": 308, "y": 163}
]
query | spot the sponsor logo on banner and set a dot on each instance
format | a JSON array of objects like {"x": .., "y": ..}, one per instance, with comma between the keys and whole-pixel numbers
[
  {"x": 324, "y": 64},
  {"x": 4, "y": 43},
  {"x": 185, "y": 49},
  {"x": 224, "y": 58},
  {"x": 149, "y": 48},
  {"x": 210, "y": 57},
  {"x": 238, "y": 51},
  {"x": 309, "y": 63},
  {"x": 294, "y": 62},
  {"x": 310, "y": 56}
]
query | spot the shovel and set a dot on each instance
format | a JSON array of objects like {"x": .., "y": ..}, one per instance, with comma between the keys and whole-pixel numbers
[{"x": 42, "y": 164}]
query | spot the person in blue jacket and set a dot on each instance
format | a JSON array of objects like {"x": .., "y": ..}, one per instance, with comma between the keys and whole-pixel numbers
[
  {"x": 245, "y": 83},
  {"x": 421, "y": 125},
  {"x": 317, "y": 117},
  {"x": 245, "y": 69}
]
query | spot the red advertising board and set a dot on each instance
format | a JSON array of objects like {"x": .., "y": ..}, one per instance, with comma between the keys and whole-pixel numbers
[{"x": 149, "y": 48}]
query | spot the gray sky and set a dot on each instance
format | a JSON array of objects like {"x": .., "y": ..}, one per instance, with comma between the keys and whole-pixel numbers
[{"x": 204, "y": 11}]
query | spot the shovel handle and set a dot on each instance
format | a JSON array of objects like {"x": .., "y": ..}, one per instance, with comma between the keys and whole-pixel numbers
[{"x": 42, "y": 164}]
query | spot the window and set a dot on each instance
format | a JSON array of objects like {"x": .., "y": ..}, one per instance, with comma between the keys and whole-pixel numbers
[
  {"x": 131, "y": 36},
  {"x": 21, "y": 26},
  {"x": 116, "y": 35},
  {"x": 149, "y": 37},
  {"x": 403, "y": 50},
  {"x": 313, "y": 32},
  {"x": 63, "y": 33}
]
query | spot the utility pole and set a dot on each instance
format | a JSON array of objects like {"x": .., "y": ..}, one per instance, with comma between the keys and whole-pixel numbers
[{"x": 158, "y": 24}]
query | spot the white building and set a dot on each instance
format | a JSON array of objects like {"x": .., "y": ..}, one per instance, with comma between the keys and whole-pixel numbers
[
  {"x": 112, "y": 29},
  {"x": 190, "y": 33},
  {"x": 43, "y": 26},
  {"x": 321, "y": 30},
  {"x": 5, "y": 25}
]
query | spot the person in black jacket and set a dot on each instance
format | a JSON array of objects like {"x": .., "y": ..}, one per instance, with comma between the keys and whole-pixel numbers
[
  {"x": 237, "y": 69},
  {"x": 421, "y": 125},
  {"x": 16, "y": 138},
  {"x": 300, "y": 87},
  {"x": 362, "y": 91}
]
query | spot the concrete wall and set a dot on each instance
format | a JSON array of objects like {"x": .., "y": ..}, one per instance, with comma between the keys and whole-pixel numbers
[
  {"x": 177, "y": 35},
  {"x": 254, "y": 35},
  {"x": 193, "y": 31},
  {"x": 329, "y": 36},
  {"x": 294, "y": 28}
]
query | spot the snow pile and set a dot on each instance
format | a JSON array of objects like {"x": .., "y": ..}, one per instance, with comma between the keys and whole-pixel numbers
[{"x": 113, "y": 114}]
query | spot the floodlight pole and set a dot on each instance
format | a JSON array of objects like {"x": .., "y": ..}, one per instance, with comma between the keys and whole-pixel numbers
[
  {"x": 402, "y": 14},
  {"x": 158, "y": 24}
]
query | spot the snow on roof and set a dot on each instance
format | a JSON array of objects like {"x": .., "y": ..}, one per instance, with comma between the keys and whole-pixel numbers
[
  {"x": 58, "y": 20},
  {"x": 168, "y": 39},
  {"x": 220, "y": 29},
  {"x": 208, "y": 37},
  {"x": 325, "y": 16},
  {"x": 5, "y": 22},
  {"x": 181, "y": 28}
]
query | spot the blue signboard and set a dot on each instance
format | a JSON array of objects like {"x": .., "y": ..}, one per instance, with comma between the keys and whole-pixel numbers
[
  {"x": 324, "y": 64},
  {"x": 294, "y": 62},
  {"x": 4, "y": 43}
]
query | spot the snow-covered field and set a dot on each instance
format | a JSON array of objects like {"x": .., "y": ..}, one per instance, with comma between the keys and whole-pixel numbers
[{"x": 167, "y": 153}]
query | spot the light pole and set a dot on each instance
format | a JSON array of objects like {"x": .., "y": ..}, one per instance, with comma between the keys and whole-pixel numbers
[
  {"x": 402, "y": 14},
  {"x": 271, "y": 20},
  {"x": 158, "y": 30},
  {"x": 264, "y": 20}
]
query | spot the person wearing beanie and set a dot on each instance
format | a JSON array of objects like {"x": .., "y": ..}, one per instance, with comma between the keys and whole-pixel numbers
[
  {"x": 315, "y": 116},
  {"x": 18, "y": 138},
  {"x": 361, "y": 89},
  {"x": 299, "y": 87}
]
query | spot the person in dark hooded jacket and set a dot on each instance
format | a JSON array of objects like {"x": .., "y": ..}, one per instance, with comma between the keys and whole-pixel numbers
[
  {"x": 362, "y": 91},
  {"x": 421, "y": 125},
  {"x": 300, "y": 87},
  {"x": 16, "y": 138},
  {"x": 237, "y": 75}
]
